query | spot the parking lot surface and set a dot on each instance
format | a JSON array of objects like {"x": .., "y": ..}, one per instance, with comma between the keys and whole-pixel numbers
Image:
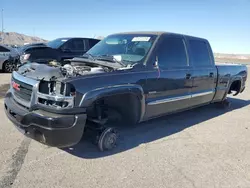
[{"x": 207, "y": 147}]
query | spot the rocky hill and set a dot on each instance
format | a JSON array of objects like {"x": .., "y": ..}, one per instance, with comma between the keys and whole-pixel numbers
[{"x": 13, "y": 38}]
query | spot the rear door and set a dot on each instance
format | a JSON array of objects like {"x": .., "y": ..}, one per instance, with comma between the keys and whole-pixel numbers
[
  {"x": 204, "y": 71},
  {"x": 169, "y": 86}
]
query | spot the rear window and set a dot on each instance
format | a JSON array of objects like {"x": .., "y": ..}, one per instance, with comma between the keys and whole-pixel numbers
[{"x": 199, "y": 53}]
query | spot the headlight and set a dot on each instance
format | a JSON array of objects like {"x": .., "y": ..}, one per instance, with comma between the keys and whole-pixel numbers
[
  {"x": 56, "y": 94},
  {"x": 24, "y": 58}
]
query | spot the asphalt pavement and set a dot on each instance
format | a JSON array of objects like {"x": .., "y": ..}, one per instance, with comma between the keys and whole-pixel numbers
[{"x": 207, "y": 147}]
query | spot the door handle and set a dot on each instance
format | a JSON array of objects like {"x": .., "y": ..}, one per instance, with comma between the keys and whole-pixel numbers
[
  {"x": 211, "y": 74},
  {"x": 188, "y": 76}
]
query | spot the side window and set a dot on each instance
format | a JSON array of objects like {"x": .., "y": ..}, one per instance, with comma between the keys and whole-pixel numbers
[
  {"x": 86, "y": 44},
  {"x": 92, "y": 42},
  {"x": 67, "y": 45},
  {"x": 2, "y": 49},
  {"x": 76, "y": 45},
  {"x": 199, "y": 53},
  {"x": 172, "y": 53}
]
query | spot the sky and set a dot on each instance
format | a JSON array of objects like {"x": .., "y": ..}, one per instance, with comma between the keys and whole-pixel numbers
[{"x": 225, "y": 23}]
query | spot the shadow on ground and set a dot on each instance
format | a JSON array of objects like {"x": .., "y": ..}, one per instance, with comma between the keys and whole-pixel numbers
[{"x": 155, "y": 129}]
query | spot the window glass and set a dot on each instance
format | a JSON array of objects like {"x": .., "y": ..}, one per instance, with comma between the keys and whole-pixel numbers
[
  {"x": 75, "y": 45},
  {"x": 78, "y": 45},
  {"x": 199, "y": 53},
  {"x": 128, "y": 48},
  {"x": 3, "y": 49},
  {"x": 172, "y": 52},
  {"x": 57, "y": 42},
  {"x": 93, "y": 42}
]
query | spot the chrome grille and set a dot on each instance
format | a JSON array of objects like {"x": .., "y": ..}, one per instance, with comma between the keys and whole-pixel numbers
[
  {"x": 25, "y": 93},
  {"x": 25, "y": 90}
]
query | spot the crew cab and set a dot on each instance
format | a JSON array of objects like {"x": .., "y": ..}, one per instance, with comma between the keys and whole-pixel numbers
[
  {"x": 127, "y": 78},
  {"x": 59, "y": 49}
]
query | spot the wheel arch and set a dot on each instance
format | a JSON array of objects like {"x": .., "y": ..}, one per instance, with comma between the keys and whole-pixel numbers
[
  {"x": 232, "y": 81},
  {"x": 236, "y": 85},
  {"x": 129, "y": 90}
]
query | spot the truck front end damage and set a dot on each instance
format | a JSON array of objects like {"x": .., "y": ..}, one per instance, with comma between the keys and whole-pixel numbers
[{"x": 42, "y": 105}]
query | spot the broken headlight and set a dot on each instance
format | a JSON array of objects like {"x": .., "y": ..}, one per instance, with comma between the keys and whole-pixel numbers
[{"x": 56, "y": 94}]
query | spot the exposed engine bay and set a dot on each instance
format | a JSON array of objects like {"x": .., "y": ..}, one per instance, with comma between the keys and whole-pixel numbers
[
  {"x": 55, "y": 71},
  {"x": 53, "y": 89},
  {"x": 76, "y": 70}
]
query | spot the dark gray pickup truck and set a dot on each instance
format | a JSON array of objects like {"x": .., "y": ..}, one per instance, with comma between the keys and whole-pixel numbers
[{"x": 127, "y": 78}]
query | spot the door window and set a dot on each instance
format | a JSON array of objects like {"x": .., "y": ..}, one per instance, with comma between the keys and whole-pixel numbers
[
  {"x": 172, "y": 53},
  {"x": 76, "y": 45},
  {"x": 199, "y": 53},
  {"x": 3, "y": 49}
]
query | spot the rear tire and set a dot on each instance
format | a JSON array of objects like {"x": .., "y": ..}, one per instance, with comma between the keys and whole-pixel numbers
[{"x": 9, "y": 67}]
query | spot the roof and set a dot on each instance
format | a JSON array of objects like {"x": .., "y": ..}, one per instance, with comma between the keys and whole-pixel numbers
[
  {"x": 68, "y": 38},
  {"x": 143, "y": 32},
  {"x": 157, "y": 33}
]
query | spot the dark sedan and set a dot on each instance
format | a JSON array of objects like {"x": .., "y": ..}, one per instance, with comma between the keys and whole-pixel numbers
[{"x": 59, "y": 49}]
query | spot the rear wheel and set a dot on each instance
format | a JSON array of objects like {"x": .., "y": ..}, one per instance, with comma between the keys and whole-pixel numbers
[{"x": 9, "y": 67}]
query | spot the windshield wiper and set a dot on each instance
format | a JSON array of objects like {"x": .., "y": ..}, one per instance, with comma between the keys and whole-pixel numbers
[{"x": 109, "y": 58}]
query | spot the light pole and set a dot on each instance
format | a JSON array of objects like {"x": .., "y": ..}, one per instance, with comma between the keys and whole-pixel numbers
[{"x": 2, "y": 28}]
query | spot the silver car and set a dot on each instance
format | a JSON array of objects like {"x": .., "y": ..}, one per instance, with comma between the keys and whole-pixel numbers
[{"x": 6, "y": 63}]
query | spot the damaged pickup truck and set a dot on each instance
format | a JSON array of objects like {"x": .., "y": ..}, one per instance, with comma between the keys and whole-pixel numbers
[{"x": 127, "y": 78}]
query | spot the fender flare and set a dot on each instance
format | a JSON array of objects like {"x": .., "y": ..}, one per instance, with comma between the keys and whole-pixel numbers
[
  {"x": 89, "y": 97},
  {"x": 230, "y": 83},
  {"x": 241, "y": 82}
]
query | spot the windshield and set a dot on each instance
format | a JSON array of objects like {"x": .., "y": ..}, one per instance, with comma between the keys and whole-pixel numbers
[
  {"x": 128, "y": 48},
  {"x": 56, "y": 43}
]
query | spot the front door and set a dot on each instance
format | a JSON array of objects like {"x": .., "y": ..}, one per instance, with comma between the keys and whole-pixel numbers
[{"x": 169, "y": 85}]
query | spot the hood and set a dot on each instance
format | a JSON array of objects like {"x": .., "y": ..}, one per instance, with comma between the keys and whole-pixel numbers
[{"x": 40, "y": 71}]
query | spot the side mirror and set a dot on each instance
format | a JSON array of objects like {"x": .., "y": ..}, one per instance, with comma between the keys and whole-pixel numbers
[{"x": 156, "y": 62}]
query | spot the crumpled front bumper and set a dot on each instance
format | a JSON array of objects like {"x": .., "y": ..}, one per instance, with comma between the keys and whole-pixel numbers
[{"x": 58, "y": 130}]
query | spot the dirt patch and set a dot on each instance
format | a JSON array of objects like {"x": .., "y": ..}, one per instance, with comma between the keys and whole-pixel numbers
[{"x": 3, "y": 89}]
